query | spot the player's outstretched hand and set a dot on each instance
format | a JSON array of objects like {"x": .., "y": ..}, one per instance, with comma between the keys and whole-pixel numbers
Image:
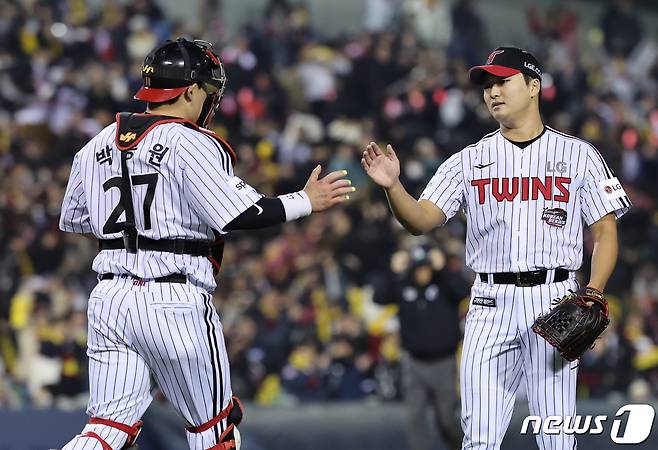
[
  {"x": 328, "y": 191},
  {"x": 382, "y": 167}
]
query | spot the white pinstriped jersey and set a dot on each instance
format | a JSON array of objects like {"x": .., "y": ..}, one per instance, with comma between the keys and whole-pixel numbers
[
  {"x": 183, "y": 186},
  {"x": 525, "y": 206}
]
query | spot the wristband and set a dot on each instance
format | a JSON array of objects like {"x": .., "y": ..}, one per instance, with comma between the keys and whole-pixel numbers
[{"x": 296, "y": 205}]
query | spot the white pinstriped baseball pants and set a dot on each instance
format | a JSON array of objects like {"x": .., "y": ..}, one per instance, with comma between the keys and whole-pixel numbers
[
  {"x": 500, "y": 351},
  {"x": 170, "y": 331}
]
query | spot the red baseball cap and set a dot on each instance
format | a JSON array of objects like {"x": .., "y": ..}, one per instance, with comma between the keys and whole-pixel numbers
[{"x": 505, "y": 62}]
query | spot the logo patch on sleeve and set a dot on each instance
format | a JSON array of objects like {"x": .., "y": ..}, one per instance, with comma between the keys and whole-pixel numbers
[
  {"x": 239, "y": 185},
  {"x": 484, "y": 301},
  {"x": 612, "y": 189},
  {"x": 555, "y": 217}
]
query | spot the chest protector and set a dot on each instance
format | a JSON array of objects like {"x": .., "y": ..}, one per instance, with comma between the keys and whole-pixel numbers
[{"x": 131, "y": 129}]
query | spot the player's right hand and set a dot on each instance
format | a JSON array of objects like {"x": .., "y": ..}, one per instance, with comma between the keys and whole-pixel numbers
[
  {"x": 382, "y": 167},
  {"x": 328, "y": 191}
]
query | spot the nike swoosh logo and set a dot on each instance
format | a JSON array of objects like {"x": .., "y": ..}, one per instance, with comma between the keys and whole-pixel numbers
[
  {"x": 260, "y": 210},
  {"x": 482, "y": 166}
]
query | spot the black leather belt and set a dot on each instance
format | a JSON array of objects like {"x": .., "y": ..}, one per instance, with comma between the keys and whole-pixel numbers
[
  {"x": 176, "y": 246},
  {"x": 525, "y": 279},
  {"x": 173, "y": 278}
]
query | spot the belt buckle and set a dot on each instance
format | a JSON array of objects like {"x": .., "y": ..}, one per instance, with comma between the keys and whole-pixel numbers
[{"x": 521, "y": 283}]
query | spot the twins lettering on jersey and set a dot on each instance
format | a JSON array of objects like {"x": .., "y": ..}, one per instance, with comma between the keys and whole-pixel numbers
[
  {"x": 507, "y": 189},
  {"x": 515, "y": 197}
]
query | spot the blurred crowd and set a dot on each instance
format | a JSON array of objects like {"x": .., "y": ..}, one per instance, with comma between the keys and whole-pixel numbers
[{"x": 296, "y": 300}]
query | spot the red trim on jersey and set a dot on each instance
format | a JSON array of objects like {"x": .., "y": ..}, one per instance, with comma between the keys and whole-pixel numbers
[
  {"x": 131, "y": 143},
  {"x": 232, "y": 153}
]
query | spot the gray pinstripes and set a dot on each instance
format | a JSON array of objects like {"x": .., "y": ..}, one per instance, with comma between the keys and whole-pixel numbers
[
  {"x": 499, "y": 235},
  {"x": 194, "y": 193},
  {"x": 170, "y": 330},
  {"x": 499, "y": 351}
]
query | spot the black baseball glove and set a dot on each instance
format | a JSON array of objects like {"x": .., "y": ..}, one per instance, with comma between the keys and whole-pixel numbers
[{"x": 573, "y": 324}]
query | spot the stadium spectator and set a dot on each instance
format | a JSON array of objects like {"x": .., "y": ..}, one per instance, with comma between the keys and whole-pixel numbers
[{"x": 295, "y": 99}]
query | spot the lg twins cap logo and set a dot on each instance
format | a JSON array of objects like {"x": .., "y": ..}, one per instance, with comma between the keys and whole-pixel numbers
[
  {"x": 493, "y": 55},
  {"x": 632, "y": 424},
  {"x": 532, "y": 67}
]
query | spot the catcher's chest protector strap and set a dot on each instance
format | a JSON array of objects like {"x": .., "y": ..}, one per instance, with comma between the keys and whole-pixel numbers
[
  {"x": 225, "y": 145},
  {"x": 133, "y": 127},
  {"x": 132, "y": 431},
  {"x": 216, "y": 252}
]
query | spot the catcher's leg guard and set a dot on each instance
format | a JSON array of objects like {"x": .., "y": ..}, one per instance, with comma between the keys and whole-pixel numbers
[
  {"x": 132, "y": 432},
  {"x": 230, "y": 438}
]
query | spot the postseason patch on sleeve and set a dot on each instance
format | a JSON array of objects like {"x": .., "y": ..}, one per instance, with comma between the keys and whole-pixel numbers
[{"x": 612, "y": 189}]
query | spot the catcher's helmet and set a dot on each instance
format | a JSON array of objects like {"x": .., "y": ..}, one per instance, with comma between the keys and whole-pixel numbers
[{"x": 175, "y": 65}]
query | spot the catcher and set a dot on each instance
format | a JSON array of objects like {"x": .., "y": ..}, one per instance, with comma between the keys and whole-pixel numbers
[
  {"x": 526, "y": 190},
  {"x": 158, "y": 191}
]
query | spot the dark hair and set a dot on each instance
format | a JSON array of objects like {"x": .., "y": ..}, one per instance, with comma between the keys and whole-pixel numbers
[{"x": 528, "y": 79}]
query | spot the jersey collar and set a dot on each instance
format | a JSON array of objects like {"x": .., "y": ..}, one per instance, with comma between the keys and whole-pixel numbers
[{"x": 524, "y": 144}]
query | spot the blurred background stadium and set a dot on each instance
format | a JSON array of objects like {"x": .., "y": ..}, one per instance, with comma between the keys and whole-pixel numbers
[{"x": 309, "y": 81}]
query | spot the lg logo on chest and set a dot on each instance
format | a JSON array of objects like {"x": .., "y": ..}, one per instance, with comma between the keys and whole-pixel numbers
[{"x": 556, "y": 167}]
